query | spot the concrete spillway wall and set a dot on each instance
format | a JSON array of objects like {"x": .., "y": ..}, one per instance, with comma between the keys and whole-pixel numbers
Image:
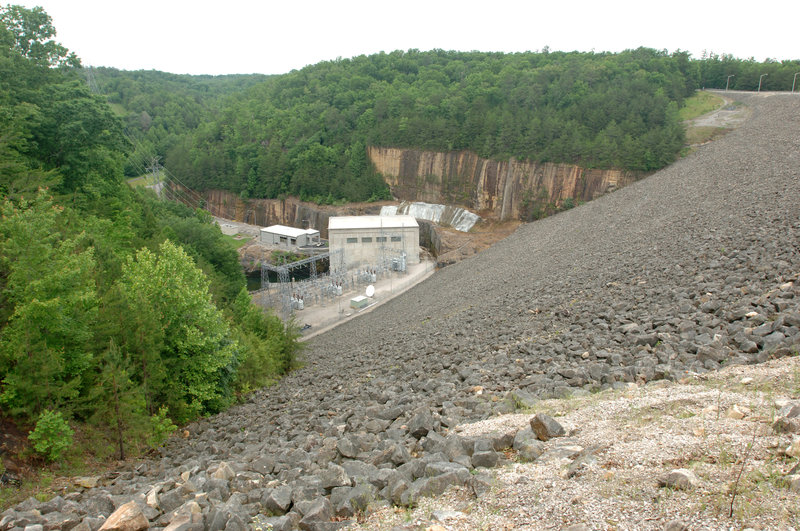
[{"x": 447, "y": 216}]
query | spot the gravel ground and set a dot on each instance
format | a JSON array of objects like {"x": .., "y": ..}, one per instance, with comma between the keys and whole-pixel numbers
[
  {"x": 637, "y": 434},
  {"x": 728, "y": 115},
  {"x": 688, "y": 271}
]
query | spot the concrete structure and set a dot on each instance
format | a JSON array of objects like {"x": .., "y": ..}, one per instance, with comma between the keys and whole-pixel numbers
[
  {"x": 371, "y": 240},
  {"x": 289, "y": 237}
]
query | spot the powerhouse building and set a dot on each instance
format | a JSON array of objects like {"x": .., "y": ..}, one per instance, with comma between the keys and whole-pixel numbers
[
  {"x": 282, "y": 236},
  {"x": 367, "y": 240}
]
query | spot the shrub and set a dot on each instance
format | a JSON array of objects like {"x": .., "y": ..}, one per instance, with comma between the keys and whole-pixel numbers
[
  {"x": 51, "y": 436},
  {"x": 161, "y": 427}
]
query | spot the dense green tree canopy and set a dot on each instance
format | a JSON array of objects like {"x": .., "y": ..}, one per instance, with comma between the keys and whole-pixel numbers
[
  {"x": 116, "y": 309},
  {"x": 305, "y": 133},
  {"x": 29, "y": 32},
  {"x": 713, "y": 71},
  {"x": 45, "y": 347},
  {"x": 195, "y": 340},
  {"x": 158, "y": 109},
  {"x": 124, "y": 311}
]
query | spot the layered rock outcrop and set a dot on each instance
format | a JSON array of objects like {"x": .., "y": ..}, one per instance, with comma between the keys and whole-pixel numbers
[
  {"x": 497, "y": 189},
  {"x": 290, "y": 211},
  {"x": 501, "y": 189}
]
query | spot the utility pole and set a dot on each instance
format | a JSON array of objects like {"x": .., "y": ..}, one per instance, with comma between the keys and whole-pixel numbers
[
  {"x": 155, "y": 170},
  {"x": 794, "y": 81},
  {"x": 727, "y": 83},
  {"x": 759, "y": 81}
]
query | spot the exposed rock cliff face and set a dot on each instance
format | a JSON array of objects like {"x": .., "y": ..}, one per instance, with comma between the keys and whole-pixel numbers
[
  {"x": 499, "y": 189},
  {"x": 289, "y": 211},
  {"x": 429, "y": 237}
]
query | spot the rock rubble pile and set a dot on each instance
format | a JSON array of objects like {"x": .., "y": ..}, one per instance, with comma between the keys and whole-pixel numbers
[{"x": 689, "y": 270}]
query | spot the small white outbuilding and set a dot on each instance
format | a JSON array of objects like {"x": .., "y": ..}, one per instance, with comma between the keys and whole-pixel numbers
[
  {"x": 289, "y": 237},
  {"x": 366, "y": 240}
]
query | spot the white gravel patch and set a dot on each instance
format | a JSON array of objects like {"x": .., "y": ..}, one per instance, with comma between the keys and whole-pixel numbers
[{"x": 642, "y": 433}]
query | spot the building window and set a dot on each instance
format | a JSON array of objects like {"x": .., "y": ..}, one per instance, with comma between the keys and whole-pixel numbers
[
  {"x": 352, "y": 240},
  {"x": 283, "y": 240},
  {"x": 380, "y": 239},
  {"x": 294, "y": 241},
  {"x": 397, "y": 238},
  {"x": 367, "y": 239}
]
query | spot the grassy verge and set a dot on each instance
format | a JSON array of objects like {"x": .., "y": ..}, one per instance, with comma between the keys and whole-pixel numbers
[
  {"x": 142, "y": 180},
  {"x": 93, "y": 454},
  {"x": 89, "y": 456},
  {"x": 699, "y": 104},
  {"x": 236, "y": 241}
]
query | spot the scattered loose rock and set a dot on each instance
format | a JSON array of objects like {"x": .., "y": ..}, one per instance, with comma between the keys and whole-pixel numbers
[
  {"x": 128, "y": 517},
  {"x": 680, "y": 478},
  {"x": 546, "y": 428},
  {"x": 689, "y": 271}
]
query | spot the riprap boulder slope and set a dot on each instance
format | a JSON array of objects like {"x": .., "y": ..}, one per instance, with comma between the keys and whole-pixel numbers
[{"x": 693, "y": 268}]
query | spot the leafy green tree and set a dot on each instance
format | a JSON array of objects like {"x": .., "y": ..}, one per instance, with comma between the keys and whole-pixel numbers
[
  {"x": 269, "y": 347},
  {"x": 52, "y": 435},
  {"x": 30, "y": 36},
  {"x": 16, "y": 175},
  {"x": 160, "y": 427},
  {"x": 101, "y": 318},
  {"x": 117, "y": 401},
  {"x": 51, "y": 304},
  {"x": 195, "y": 347},
  {"x": 201, "y": 238},
  {"x": 79, "y": 135}
]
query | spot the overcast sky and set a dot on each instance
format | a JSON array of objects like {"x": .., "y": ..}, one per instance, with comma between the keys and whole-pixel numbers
[{"x": 269, "y": 37}]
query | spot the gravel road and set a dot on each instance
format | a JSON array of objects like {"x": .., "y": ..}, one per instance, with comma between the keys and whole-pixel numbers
[{"x": 686, "y": 271}]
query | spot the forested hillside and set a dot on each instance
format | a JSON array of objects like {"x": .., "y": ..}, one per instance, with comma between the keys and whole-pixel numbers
[
  {"x": 160, "y": 109},
  {"x": 713, "y": 70},
  {"x": 118, "y": 311},
  {"x": 305, "y": 133},
  {"x": 126, "y": 313}
]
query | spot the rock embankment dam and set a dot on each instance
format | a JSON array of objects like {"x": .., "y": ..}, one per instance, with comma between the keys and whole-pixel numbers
[{"x": 690, "y": 269}]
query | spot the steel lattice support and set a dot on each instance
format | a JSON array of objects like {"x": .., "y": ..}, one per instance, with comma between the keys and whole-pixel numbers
[{"x": 336, "y": 267}]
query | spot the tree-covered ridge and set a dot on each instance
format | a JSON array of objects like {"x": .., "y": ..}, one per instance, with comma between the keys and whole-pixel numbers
[
  {"x": 117, "y": 310},
  {"x": 159, "y": 109},
  {"x": 305, "y": 133}
]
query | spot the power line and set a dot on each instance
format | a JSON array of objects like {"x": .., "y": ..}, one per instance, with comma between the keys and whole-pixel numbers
[{"x": 180, "y": 192}]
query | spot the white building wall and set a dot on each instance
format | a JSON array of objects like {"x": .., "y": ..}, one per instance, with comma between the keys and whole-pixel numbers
[
  {"x": 288, "y": 237},
  {"x": 364, "y": 246}
]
